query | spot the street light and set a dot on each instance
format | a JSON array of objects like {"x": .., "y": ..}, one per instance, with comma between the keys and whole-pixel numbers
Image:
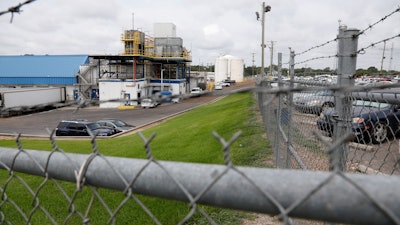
[
  {"x": 264, "y": 9},
  {"x": 162, "y": 80}
]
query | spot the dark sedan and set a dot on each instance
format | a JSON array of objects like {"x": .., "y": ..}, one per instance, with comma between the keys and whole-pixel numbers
[
  {"x": 371, "y": 121},
  {"x": 82, "y": 128},
  {"x": 314, "y": 102}
]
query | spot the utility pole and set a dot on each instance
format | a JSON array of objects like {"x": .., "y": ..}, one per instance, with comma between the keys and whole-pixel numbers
[
  {"x": 264, "y": 9},
  {"x": 272, "y": 58},
  {"x": 252, "y": 69},
  {"x": 383, "y": 56},
  {"x": 391, "y": 58}
]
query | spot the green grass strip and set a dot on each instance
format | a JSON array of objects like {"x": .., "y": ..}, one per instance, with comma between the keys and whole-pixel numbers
[{"x": 185, "y": 138}]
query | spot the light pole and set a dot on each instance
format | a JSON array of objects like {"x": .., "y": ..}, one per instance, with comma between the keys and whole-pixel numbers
[
  {"x": 264, "y": 9},
  {"x": 162, "y": 80}
]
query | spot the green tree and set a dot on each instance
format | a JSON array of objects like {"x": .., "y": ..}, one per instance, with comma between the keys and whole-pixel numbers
[{"x": 372, "y": 70}]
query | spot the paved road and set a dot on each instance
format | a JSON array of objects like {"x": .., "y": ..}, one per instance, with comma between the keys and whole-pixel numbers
[{"x": 35, "y": 124}]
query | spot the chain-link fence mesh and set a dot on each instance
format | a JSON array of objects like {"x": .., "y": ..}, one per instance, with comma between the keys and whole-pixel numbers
[
  {"x": 335, "y": 144},
  {"x": 308, "y": 119},
  {"x": 284, "y": 193},
  {"x": 300, "y": 134}
]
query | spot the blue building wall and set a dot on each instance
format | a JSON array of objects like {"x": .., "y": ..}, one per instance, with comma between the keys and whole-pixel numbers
[{"x": 41, "y": 69}]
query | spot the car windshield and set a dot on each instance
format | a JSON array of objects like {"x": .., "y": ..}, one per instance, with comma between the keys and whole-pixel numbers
[
  {"x": 120, "y": 123},
  {"x": 379, "y": 105},
  {"x": 93, "y": 126},
  {"x": 324, "y": 93}
]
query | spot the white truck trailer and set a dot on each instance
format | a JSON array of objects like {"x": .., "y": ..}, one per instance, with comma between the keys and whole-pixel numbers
[{"x": 16, "y": 100}]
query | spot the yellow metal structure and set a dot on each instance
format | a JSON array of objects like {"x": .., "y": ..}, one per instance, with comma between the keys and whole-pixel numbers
[{"x": 136, "y": 43}]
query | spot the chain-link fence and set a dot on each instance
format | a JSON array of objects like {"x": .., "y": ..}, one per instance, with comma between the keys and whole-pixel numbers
[
  {"x": 333, "y": 121},
  {"x": 352, "y": 198},
  {"x": 335, "y": 145}
]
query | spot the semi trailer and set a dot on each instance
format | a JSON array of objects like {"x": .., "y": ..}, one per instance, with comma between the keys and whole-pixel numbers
[{"x": 20, "y": 100}]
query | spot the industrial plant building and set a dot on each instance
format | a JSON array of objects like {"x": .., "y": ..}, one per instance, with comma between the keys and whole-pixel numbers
[{"x": 148, "y": 67}]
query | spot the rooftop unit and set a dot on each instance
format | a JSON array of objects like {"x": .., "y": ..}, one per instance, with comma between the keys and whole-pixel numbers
[
  {"x": 168, "y": 47},
  {"x": 164, "y": 30}
]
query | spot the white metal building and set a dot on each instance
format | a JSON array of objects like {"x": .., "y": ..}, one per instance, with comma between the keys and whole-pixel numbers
[
  {"x": 229, "y": 67},
  {"x": 164, "y": 30},
  {"x": 132, "y": 90}
]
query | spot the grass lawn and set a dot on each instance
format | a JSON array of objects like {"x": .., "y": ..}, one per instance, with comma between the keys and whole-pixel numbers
[{"x": 185, "y": 138}]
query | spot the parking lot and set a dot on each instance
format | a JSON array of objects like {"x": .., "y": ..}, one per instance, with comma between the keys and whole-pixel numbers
[
  {"x": 367, "y": 158},
  {"x": 36, "y": 124}
]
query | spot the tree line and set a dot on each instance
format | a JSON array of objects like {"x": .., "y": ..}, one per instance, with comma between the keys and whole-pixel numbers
[{"x": 304, "y": 71}]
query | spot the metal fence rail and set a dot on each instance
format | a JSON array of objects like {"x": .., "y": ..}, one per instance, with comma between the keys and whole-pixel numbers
[
  {"x": 261, "y": 190},
  {"x": 323, "y": 171}
]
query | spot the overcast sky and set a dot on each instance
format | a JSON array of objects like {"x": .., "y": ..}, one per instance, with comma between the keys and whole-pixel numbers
[{"x": 209, "y": 28}]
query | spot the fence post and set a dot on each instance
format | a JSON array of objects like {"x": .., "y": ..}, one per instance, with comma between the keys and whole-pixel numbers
[
  {"x": 347, "y": 59},
  {"x": 290, "y": 105},
  {"x": 282, "y": 155}
]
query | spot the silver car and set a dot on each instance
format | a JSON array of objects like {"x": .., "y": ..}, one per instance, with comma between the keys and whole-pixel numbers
[
  {"x": 115, "y": 124},
  {"x": 314, "y": 102}
]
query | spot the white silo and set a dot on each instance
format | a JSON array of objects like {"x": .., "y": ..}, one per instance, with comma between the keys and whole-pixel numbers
[
  {"x": 237, "y": 65},
  {"x": 221, "y": 68},
  {"x": 229, "y": 67}
]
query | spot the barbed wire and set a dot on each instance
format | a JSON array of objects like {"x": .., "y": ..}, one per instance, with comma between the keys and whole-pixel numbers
[
  {"x": 362, "y": 50},
  {"x": 315, "y": 47},
  {"x": 15, "y": 9},
  {"x": 316, "y": 58},
  {"x": 379, "y": 21}
]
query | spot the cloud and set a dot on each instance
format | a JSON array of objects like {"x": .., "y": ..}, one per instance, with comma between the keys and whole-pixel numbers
[
  {"x": 208, "y": 28},
  {"x": 215, "y": 38}
]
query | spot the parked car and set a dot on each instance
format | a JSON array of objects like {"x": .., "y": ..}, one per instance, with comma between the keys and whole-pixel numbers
[
  {"x": 196, "y": 91},
  {"x": 371, "y": 121},
  {"x": 148, "y": 103},
  {"x": 218, "y": 86},
  {"x": 116, "y": 124},
  {"x": 314, "y": 102},
  {"x": 229, "y": 81},
  {"x": 82, "y": 128},
  {"x": 224, "y": 84}
]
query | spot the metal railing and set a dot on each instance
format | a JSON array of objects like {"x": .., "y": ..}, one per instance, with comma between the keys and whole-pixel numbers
[
  {"x": 272, "y": 191},
  {"x": 324, "y": 173}
]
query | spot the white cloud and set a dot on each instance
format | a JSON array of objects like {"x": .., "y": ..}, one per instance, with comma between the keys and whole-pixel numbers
[
  {"x": 215, "y": 38},
  {"x": 209, "y": 28}
]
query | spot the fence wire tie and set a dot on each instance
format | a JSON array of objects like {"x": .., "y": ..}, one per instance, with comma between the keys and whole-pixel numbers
[
  {"x": 226, "y": 145},
  {"x": 283, "y": 214},
  {"x": 149, "y": 157},
  {"x": 146, "y": 141},
  {"x": 80, "y": 176},
  {"x": 193, "y": 206}
]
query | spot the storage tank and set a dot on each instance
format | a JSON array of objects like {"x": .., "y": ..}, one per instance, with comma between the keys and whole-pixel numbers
[
  {"x": 229, "y": 67},
  {"x": 237, "y": 70}
]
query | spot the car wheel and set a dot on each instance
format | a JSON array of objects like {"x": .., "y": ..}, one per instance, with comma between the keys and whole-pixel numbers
[
  {"x": 326, "y": 106},
  {"x": 379, "y": 132}
]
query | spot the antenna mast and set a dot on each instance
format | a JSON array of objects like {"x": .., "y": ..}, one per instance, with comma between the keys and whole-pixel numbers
[{"x": 133, "y": 21}]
